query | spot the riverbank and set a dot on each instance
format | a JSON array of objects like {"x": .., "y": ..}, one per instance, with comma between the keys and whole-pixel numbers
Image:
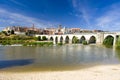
[{"x": 102, "y": 72}]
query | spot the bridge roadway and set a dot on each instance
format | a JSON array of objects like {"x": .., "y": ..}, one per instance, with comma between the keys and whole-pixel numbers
[{"x": 67, "y": 38}]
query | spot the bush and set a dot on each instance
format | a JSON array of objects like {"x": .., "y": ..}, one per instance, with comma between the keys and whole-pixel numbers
[
  {"x": 11, "y": 42},
  {"x": 84, "y": 42},
  {"x": 12, "y": 31},
  {"x": 4, "y": 32},
  {"x": 108, "y": 42},
  {"x": 38, "y": 44},
  {"x": 44, "y": 38},
  {"x": 39, "y": 38},
  {"x": 75, "y": 40}
]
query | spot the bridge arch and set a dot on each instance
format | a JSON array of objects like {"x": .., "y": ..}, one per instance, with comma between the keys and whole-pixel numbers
[
  {"x": 51, "y": 38},
  {"x": 92, "y": 40},
  {"x": 109, "y": 36},
  {"x": 61, "y": 39},
  {"x": 67, "y": 39},
  {"x": 39, "y": 38},
  {"x": 108, "y": 40},
  {"x": 82, "y": 39}
]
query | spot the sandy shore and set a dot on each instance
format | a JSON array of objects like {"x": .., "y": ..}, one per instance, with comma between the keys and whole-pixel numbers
[{"x": 103, "y": 72}]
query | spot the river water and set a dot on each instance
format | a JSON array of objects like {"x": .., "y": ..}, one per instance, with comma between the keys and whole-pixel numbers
[{"x": 67, "y": 55}]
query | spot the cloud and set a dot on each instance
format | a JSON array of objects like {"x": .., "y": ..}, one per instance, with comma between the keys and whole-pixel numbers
[
  {"x": 82, "y": 10},
  {"x": 74, "y": 3},
  {"x": 110, "y": 19},
  {"x": 10, "y": 19},
  {"x": 104, "y": 18},
  {"x": 17, "y": 3}
]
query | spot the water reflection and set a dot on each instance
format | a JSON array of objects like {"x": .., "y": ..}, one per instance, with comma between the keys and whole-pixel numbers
[
  {"x": 118, "y": 54},
  {"x": 68, "y": 55}
]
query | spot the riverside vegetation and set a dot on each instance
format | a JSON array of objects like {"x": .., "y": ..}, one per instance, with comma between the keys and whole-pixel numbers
[
  {"x": 75, "y": 40},
  {"x": 24, "y": 40}
]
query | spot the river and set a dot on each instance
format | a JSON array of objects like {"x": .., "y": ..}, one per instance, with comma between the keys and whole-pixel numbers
[{"x": 57, "y": 56}]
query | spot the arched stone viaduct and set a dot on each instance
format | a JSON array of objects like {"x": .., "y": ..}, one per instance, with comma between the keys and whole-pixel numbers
[{"x": 99, "y": 37}]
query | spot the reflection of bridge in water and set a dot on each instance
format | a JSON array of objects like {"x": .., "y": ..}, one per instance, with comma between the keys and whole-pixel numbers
[{"x": 97, "y": 38}]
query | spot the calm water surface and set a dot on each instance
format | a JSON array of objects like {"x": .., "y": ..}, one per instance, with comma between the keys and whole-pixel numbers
[{"x": 68, "y": 55}]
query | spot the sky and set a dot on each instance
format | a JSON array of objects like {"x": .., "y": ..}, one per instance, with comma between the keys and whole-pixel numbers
[{"x": 84, "y": 14}]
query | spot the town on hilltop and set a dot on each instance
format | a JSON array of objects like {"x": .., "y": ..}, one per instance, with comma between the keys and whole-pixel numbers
[{"x": 30, "y": 31}]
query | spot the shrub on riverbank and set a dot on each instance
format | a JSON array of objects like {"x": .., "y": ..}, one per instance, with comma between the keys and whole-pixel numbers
[
  {"x": 11, "y": 42},
  {"x": 23, "y": 40},
  {"x": 84, "y": 43},
  {"x": 75, "y": 40},
  {"x": 44, "y": 38},
  {"x": 38, "y": 44},
  {"x": 25, "y": 43}
]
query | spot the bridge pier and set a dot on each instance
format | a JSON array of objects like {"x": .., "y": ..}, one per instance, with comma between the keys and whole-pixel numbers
[
  {"x": 100, "y": 38},
  {"x": 114, "y": 42},
  {"x": 54, "y": 42},
  {"x": 63, "y": 41},
  {"x": 70, "y": 41}
]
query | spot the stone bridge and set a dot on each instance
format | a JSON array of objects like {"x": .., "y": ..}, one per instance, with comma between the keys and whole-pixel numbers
[{"x": 97, "y": 38}]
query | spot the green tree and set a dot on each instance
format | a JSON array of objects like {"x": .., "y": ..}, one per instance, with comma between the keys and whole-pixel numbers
[
  {"x": 108, "y": 41},
  {"x": 44, "y": 38},
  {"x": 75, "y": 40},
  {"x": 39, "y": 38},
  {"x": 12, "y": 31},
  {"x": 4, "y": 32},
  {"x": 84, "y": 42}
]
